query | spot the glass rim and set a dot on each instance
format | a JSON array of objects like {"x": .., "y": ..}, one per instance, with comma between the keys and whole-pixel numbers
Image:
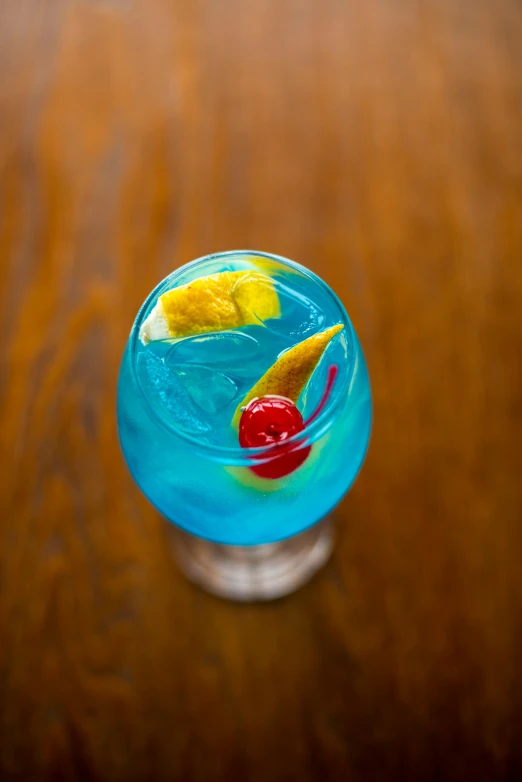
[{"x": 238, "y": 455}]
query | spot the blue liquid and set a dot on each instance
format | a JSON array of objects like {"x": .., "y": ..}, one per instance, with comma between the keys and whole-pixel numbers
[{"x": 176, "y": 400}]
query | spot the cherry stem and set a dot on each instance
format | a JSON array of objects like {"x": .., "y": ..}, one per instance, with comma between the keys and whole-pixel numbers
[{"x": 333, "y": 369}]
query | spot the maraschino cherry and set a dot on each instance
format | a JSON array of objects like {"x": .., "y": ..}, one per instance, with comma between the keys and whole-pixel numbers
[{"x": 270, "y": 421}]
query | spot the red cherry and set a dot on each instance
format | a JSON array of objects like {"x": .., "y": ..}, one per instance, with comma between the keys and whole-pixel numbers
[{"x": 269, "y": 421}]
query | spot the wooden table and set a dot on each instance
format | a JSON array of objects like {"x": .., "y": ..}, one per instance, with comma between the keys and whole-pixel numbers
[{"x": 379, "y": 143}]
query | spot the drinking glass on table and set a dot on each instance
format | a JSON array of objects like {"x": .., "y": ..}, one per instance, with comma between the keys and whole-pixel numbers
[{"x": 244, "y": 415}]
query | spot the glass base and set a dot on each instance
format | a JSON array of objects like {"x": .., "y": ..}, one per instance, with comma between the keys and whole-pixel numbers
[{"x": 251, "y": 573}]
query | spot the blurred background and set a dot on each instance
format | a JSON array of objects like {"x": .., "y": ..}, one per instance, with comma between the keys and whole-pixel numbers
[{"x": 378, "y": 143}]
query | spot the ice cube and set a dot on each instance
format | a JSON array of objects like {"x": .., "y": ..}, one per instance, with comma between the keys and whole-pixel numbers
[
  {"x": 232, "y": 352},
  {"x": 300, "y": 317},
  {"x": 209, "y": 389},
  {"x": 167, "y": 391}
]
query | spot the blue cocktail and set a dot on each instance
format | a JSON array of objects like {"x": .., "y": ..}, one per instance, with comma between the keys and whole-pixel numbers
[{"x": 180, "y": 395}]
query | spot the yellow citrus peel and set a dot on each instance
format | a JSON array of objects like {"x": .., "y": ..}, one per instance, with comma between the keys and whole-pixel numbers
[{"x": 218, "y": 302}]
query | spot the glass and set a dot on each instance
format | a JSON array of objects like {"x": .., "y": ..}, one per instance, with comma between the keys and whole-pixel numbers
[{"x": 236, "y": 534}]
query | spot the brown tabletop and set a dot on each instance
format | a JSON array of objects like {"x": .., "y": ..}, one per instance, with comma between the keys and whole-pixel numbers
[{"x": 380, "y": 144}]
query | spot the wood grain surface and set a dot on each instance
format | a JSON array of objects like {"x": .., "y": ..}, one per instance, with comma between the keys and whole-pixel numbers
[{"x": 379, "y": 143}]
